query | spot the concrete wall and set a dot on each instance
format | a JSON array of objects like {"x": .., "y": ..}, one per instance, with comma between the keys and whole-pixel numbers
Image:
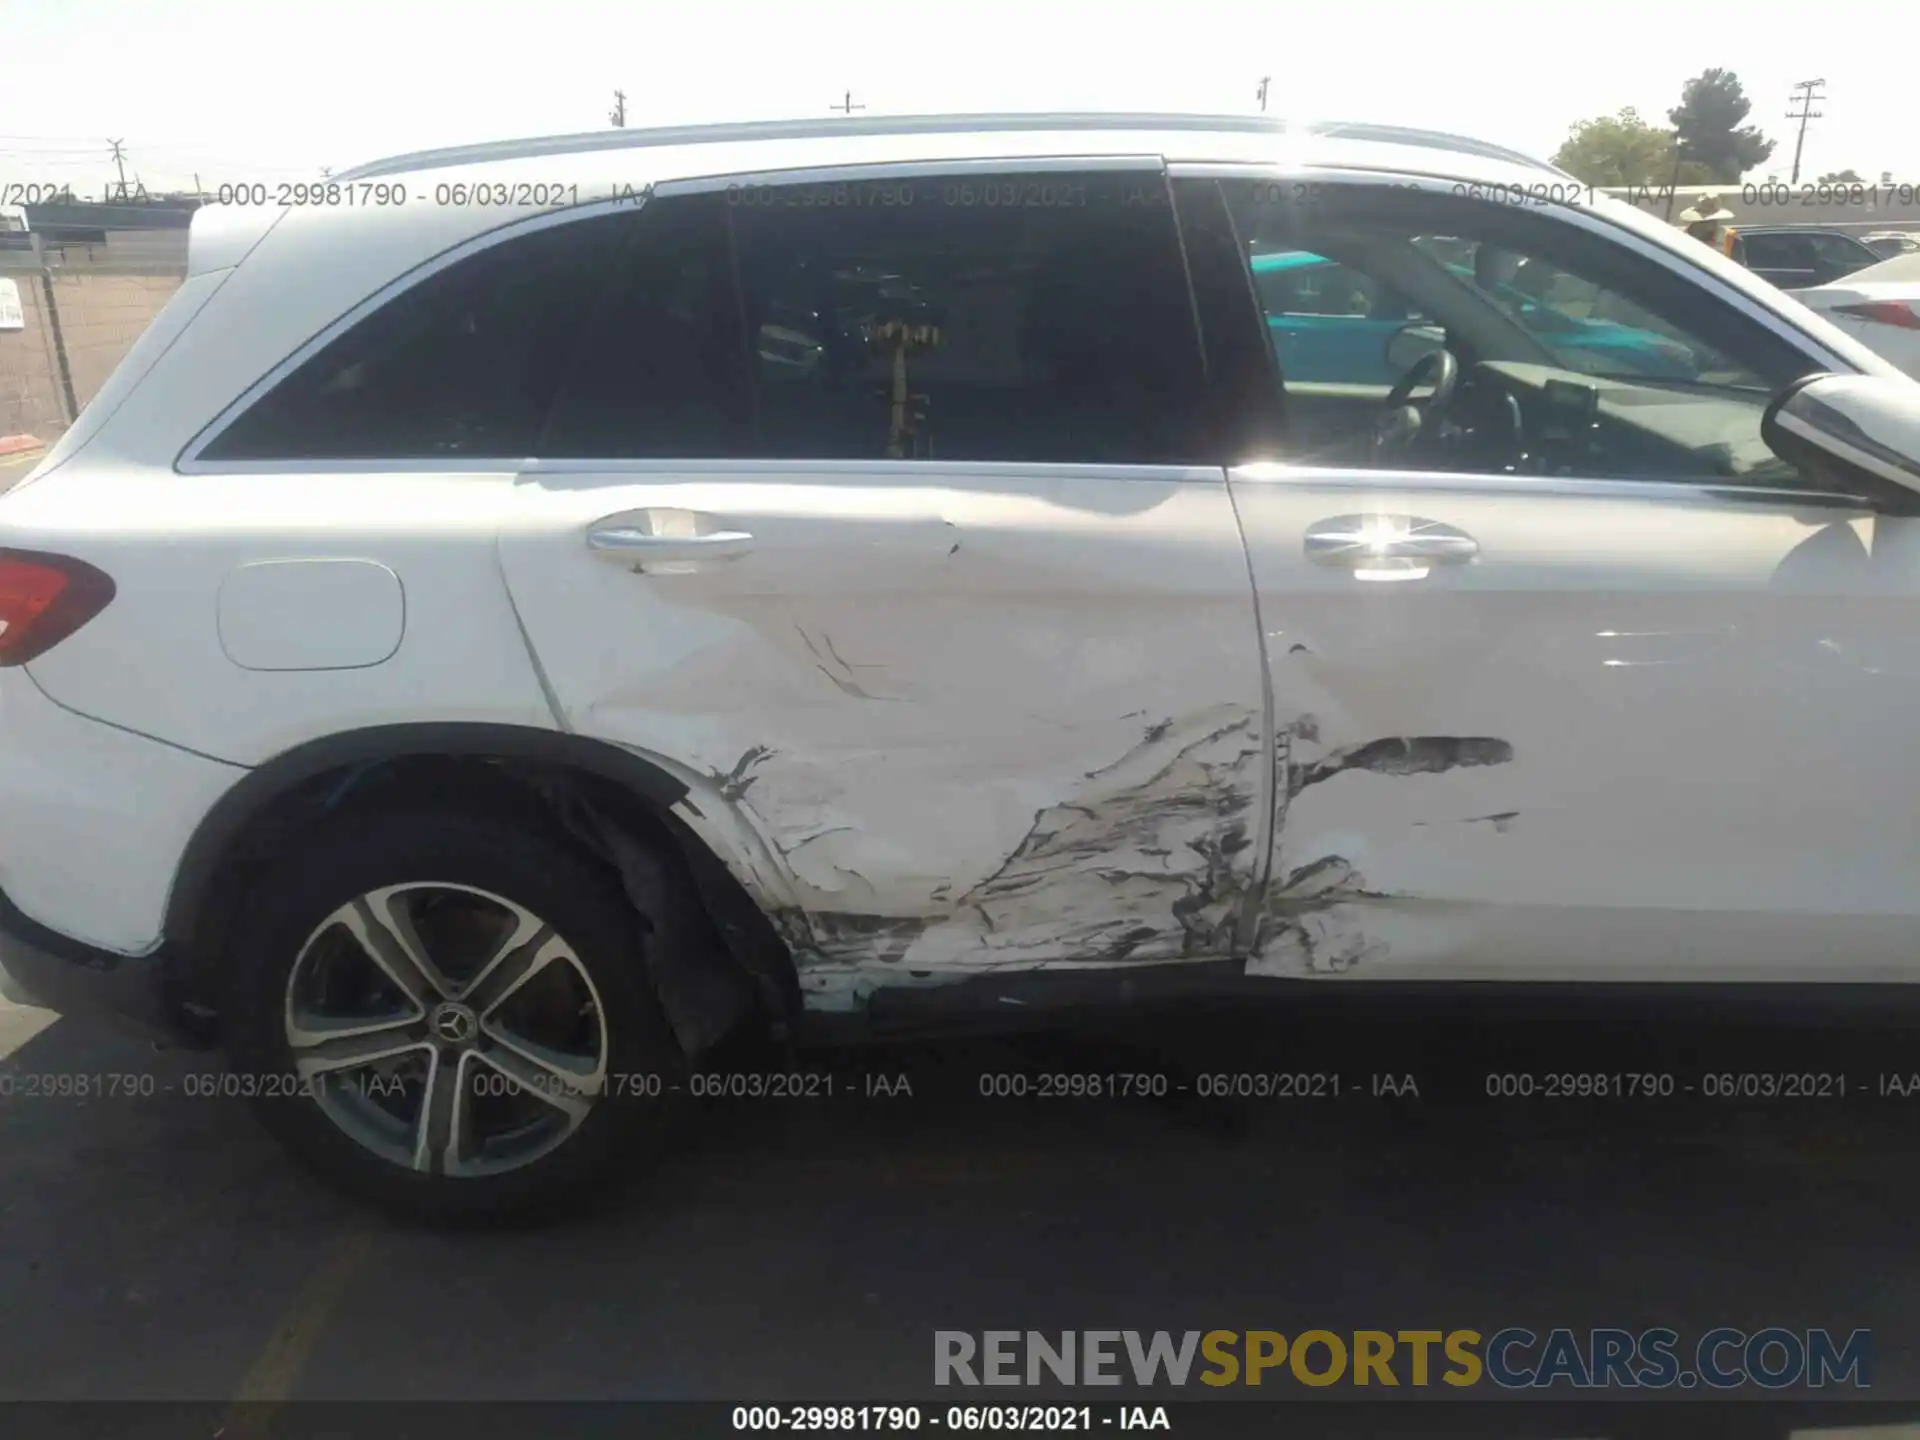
[{"x": 102, "y": 310}]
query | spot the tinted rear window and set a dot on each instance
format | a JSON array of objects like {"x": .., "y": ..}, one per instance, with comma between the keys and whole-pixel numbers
[{"x": 464, "y": 363}]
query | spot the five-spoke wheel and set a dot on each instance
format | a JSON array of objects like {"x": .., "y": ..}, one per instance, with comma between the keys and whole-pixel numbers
[
  {"x": 442, "y": 997},
  {"x": 446, "y": 1029}
]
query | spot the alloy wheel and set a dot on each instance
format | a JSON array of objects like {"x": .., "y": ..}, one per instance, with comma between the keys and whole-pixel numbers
[{"x": 446, "y": 1029}]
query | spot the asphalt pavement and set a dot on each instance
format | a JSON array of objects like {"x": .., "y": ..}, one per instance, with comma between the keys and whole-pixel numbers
[{"x": 155, "y": 1245}]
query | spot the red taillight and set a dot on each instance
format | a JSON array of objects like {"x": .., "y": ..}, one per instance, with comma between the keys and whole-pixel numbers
[
  {"x": 1885, "y": 312},
  {"x": 44, "y": 599}
]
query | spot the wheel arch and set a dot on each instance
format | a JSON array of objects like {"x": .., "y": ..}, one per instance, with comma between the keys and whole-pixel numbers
[{"x": 514, "y": 765}]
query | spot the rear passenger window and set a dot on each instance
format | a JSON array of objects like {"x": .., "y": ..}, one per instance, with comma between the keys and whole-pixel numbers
[
  {"x": 1019, "y": 318},
  {"x": 463, "y": 363},
  {"x": 1011, "y": 318},
  {"x": 660, "y": 370}
]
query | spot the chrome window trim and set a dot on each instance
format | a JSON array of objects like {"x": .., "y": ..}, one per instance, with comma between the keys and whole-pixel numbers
[
  {"x": 188, "y": 462},
  {"x": 453, "y": 465},
  {"x": 880, "y": 470},
  {"x": 1154, "y": 165},
  {"x": 1591, "y": 221},
  {"x": 531, "y": 468},
  {"x": 1671, "y": 492}
]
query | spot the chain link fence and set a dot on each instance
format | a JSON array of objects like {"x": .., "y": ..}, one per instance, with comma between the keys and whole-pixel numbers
[{"x": 88, "y": 280}]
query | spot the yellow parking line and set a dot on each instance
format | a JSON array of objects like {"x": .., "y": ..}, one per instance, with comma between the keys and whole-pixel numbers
[{"x": 269, "y": 1381}]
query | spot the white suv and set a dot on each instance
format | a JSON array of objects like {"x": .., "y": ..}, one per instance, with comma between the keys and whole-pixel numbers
[{"x": 521, "y": 612}]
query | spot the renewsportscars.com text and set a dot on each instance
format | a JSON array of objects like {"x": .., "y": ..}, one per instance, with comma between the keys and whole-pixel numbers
[{"x": 1513, "y": 1359}]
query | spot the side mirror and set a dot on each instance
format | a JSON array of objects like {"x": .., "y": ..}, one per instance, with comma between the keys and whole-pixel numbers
[
  {"x": 1411, "y": 344},
  {"x": 1858, "y": 434}
]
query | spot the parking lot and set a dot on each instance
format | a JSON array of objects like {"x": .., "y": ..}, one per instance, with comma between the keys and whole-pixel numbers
[{"x": 157, "y": 1246}]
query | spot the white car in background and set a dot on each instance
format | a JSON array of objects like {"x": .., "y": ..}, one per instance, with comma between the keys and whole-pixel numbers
[
  {"x": 1880, "y": 305},
  {"x": 489, "y": 640},
  {"x": 1889, "y": 243}
]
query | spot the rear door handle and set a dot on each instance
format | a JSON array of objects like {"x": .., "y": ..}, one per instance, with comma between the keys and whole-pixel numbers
[
  {"x": 1387, "y": 547},
  {"x": 626, "y": 542}
]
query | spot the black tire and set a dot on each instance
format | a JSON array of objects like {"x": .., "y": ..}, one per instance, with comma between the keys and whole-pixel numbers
[{"x": 579, "y": 897}]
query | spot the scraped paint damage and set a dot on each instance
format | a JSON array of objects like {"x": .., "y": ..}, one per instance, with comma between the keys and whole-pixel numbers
[
  {"x": 1314, "y": 916},
  {"x": 1148, "y": 859}
]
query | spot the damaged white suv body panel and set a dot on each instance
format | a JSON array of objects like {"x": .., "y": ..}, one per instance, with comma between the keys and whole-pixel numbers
[
  {"x": 986, "y": 636},
  {"x": 980, "y": 717},
  {"x": 1632, "y": 740}
]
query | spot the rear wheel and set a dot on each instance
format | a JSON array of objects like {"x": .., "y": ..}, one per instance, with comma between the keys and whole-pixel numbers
[{"x": 449, "y": 1015}]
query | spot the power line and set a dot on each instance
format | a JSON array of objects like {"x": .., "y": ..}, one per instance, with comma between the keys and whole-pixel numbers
[
  {"x": 846, "y": 106},
  {"x": 1804, "y": 98},
  {"x": 119, "y": 158}
]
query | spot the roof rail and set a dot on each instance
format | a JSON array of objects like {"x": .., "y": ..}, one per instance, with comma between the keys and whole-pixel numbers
[
  {"x": 912, "y": 125},
  {"x": 1430, "y": 139}
]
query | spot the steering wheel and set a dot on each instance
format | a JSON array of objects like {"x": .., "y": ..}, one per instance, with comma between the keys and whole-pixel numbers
[
  {"x": 1404, "y": 426},
  {"x": 1436, "y": 367}
]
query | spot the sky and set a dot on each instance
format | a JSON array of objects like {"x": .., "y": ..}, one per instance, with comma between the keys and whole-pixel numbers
[{"x": 230, "y": 90}]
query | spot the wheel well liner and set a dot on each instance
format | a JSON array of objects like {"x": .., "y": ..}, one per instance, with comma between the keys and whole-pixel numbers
[
  {"x": 230, "y": 816},
  {"x": 194, "y": 922}
]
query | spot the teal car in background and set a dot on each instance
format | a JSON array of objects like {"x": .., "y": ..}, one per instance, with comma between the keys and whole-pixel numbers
[{"x": 1331, "y": 325}]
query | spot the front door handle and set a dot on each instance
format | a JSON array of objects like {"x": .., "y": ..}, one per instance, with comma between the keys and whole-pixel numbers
[
  {"x": 1387, "y": 547},
  {"x": 626, "y": 542}
]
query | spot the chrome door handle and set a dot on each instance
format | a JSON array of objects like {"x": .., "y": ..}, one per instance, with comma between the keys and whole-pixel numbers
[
  {"x": 1387, "y": 546},
  {"x": 628, "y": 543}
]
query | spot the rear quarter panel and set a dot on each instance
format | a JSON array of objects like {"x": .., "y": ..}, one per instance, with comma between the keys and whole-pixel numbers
[{"x": 154, "y": 662}]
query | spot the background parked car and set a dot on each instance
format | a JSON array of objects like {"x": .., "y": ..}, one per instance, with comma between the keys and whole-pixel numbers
[
  {"x": 1889, "y": 243},
  {"x": 1331, "y": 325},
  {"x": 1879, "y": 305},
  {"x": 1795, "y": 256}
]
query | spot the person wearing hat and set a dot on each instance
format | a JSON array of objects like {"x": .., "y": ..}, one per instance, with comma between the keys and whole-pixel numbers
[{"x": 1706, "y": 220}]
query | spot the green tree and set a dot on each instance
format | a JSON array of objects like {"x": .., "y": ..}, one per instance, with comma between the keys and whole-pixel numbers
[
  {"x": 1840, "y": 177},
  {"x": 1624, "y": 149},
  {"x": 1707, "y": 120}
]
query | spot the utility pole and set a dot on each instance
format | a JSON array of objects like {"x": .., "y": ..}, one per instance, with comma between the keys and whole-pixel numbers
[
  {"x": 1264, "y": 81},
  {"x": 1673, "y": 185},
  {"x": 619, "y": 112},
  {"x": 1804, "y": 98},
  {"x": 846, "y": 106},
  {"x": 119, "y": 164}
]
